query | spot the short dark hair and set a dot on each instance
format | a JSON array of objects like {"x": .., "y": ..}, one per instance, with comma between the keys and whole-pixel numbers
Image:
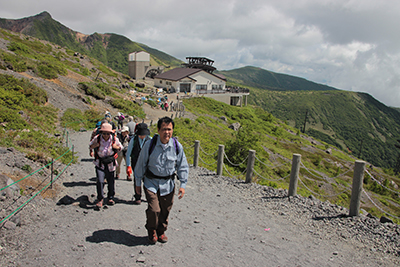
[{"x": 166, "y": 120}]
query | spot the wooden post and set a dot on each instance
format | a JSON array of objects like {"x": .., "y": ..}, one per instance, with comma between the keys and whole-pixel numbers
[
  {"x": 52, "y": 169},
  {"x": 250, "y": 165},
  {"x": 220, "y": 160},
  {"x": 196, "y": 153},
  {"x": 294, "y": 174},
  {"x": 356, "y": 188}
]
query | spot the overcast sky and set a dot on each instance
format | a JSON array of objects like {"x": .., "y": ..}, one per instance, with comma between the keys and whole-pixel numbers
[{"x": 348, "y": 44}]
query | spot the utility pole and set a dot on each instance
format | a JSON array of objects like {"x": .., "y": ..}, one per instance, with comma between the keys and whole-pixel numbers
[{"x": 305, "y": 121}]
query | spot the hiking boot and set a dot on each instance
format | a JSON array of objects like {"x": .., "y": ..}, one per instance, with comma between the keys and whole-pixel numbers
[
  {"x": 137, "y": 202},
  {"x": 110, "y": 202},
  {"x": 117, "y": 176},
  {"x": 129, "y": 178},
  {"x": 152, "y": 237},
  {"x": 162, "y": 238},
  {"x": 99, "y": 204}
]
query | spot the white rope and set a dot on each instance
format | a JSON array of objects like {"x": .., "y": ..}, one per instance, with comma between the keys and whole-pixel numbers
[
  {"x": 304, "y": 167},
  {"x": 271, "y": 166},
  {"x": 320, "y": 194},
  {"x": 370, "y": 199},
  {"x": 280, "y": 179},
  {"x": 207, "y": 153},
  {"x": 230, "y": 175},
  {"x": 207, "y": 163},
  {"x": 184, "y": 148},
  {"x": 233, "y": 164},
  {"x": 380, "y": 182}
]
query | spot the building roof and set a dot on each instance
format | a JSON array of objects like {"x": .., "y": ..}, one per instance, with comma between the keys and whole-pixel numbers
[{"x": 180, "y": 73}]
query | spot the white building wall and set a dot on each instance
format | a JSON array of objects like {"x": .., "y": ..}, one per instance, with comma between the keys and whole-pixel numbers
[
  {"x": 139, "y": 56},
  {"x": 205, "y": 78}
]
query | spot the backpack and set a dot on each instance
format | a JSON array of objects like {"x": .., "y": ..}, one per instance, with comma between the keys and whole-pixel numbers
[
  {"x": 153, "y": 143},
  {"x": 107, "y": 159}
]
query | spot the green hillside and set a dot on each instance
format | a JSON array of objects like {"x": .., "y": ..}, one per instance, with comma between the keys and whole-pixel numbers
[
  {"x": 349, "y": 120},
  {"x": 110, "y": 49},
  {"x": 264, "y": 79}
]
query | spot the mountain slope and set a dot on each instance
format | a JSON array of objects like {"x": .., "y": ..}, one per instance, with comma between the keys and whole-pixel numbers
[
  {"x": 111, "y": 49},
  {"x": 349, "y": 120},
  {"x": 264, "y": 79}
]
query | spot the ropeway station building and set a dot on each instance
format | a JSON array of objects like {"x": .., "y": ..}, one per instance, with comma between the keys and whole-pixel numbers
[{"x": 196, "y": 77}]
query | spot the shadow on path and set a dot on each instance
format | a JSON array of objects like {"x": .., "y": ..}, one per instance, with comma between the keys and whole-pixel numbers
[
  {"x": 80, "y": 183},
  {"x": 118, "y": 237},
  {"x": 319, "y": 218}
]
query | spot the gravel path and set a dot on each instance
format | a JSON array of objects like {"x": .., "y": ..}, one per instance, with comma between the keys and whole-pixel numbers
[{"x": 219, "y": 222}]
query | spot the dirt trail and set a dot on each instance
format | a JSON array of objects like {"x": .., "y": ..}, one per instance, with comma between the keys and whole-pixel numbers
[{"x": 219, "y": 222}]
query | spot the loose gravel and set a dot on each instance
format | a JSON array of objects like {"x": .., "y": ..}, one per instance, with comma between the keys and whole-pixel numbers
[{"x": 219, "y": 222}]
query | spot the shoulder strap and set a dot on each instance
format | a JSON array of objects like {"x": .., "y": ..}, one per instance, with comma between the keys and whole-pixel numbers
[
  {"x": 176, "y": 145},
  {"x": 153, "y": 143}
]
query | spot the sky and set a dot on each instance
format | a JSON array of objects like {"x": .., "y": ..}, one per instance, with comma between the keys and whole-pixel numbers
[{"x": 352, "y": 45}]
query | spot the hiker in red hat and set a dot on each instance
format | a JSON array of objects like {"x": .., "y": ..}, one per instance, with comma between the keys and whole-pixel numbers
[{"x": 106, "y": 147}]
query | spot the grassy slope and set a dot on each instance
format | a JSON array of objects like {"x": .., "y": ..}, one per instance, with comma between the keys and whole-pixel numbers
[
  {"x": 274, "y": 143},
  {"x": 342, "y": 118}
]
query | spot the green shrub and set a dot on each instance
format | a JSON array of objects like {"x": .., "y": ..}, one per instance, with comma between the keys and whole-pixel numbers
[
  {"x": 50, "y": 70},
  {"x": 128, "y": 107},
  {"x": 93, "y": 90},
  {"x": 27, "y": 168}
]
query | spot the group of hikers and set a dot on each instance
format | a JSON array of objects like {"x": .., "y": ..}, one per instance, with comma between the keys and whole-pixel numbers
[{"x": 154, "y": 162}]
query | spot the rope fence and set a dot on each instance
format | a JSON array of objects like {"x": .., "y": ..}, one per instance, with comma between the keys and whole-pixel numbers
[
  {"x": 52, "y": 179},
  {"x": 356, "y": 188}
]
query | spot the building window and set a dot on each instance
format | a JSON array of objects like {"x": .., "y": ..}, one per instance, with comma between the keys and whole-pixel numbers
[
  {"x": 160, "y": 81},
  {"x": 201, "y": 86}
]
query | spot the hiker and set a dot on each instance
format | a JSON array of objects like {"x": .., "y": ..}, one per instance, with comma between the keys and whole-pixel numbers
[
  {"x": 120, "y": 120},
  {"x": 123, "y": 137},
  {"x": 105, "y": 146},
  {"x": 131, "y": 125},
  {"x": 95, "y": 132},
  {"x": 134, "y": 148},
  {"x": 109, "y": 120},
  {"x": 166, "y": 106},
  {"x": 160, "y": 160}
]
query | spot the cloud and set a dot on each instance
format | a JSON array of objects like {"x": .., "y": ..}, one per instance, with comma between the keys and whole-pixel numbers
[{"x": 348, "y": 44}]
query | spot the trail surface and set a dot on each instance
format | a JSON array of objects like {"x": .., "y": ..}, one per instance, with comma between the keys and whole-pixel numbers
[{"x": 219, "y": 222}]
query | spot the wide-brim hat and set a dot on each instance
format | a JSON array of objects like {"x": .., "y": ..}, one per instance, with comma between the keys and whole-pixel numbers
[
  {"x": 125, "y": 129},
  {"x": 142, "y": 129},
  {"x": 106, "y": 127}
]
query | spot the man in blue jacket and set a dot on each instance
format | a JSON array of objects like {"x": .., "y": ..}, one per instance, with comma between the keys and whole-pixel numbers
[{"x": 160, "y": 161}]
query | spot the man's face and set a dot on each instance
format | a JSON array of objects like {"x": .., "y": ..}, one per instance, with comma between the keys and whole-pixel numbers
[{"x": 165, "y": 132}]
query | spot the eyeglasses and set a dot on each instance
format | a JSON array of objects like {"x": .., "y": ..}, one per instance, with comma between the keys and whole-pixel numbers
[{"x": 106, "y": 133}]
